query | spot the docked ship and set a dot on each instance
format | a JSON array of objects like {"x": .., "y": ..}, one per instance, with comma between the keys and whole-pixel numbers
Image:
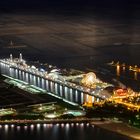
[{"x": 75, "y": 89}]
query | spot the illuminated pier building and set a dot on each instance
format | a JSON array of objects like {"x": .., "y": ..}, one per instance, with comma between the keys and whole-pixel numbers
[{"x": 53, "y": 82}]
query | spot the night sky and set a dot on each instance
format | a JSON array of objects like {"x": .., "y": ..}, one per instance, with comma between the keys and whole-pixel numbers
[{"x": 39, "y": 4}]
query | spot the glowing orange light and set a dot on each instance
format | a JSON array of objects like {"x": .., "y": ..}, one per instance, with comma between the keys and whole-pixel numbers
[{"x": 118, "y": 70}]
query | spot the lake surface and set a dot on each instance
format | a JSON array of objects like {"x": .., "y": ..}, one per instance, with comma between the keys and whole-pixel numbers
[
  {"x": 72, "y": 37},
  {"x": 78, "y": 131}
]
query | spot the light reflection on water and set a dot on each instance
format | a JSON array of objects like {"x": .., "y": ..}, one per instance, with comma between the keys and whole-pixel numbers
[
  {"x": 135, "y": 76},
  {"x": 57, "y": 131},
  {"x": 126, "y": 76}
]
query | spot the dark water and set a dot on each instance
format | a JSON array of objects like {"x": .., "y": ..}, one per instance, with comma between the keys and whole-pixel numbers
[
  {"x": 75, "y": 37},
  {"x": 56, "y": 132},
  {"x": 124, "y": 77}
]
